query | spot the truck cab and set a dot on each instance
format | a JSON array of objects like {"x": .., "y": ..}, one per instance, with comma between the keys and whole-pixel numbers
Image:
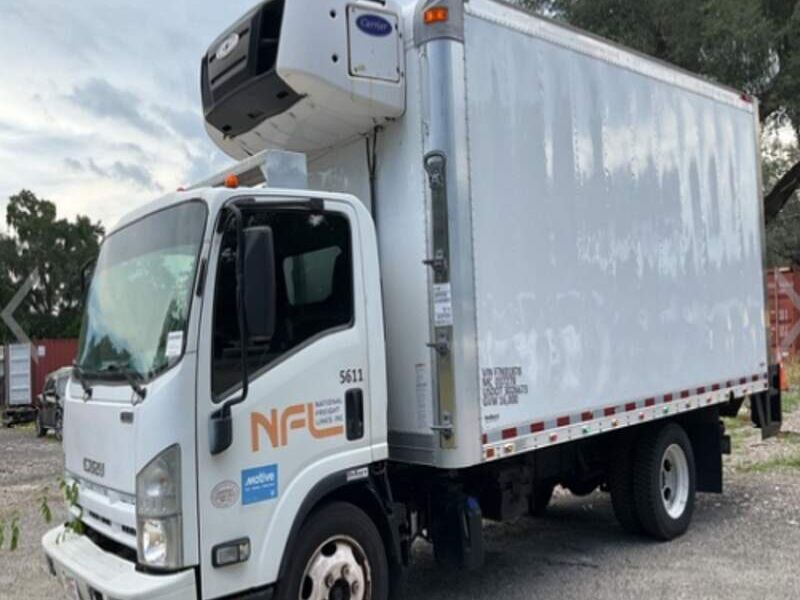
[{"x": 163, "y": 360}]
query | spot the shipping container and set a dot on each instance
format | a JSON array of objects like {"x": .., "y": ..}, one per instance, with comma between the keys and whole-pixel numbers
[
  {"x": 51, "y": 354},
  {"x": 783, "y": 287}
]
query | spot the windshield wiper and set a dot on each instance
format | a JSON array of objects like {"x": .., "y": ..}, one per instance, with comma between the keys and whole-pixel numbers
[
  {"x": 132, "y": 379},
  {"x": 80, "y": 375}
]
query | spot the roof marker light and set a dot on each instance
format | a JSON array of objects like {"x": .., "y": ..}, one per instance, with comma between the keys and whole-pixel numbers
[
  {"x": 232, "y": 181},
  {"x": 436, "y": 14}
]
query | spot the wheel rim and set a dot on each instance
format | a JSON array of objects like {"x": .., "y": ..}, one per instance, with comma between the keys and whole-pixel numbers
[
  {"x": 674, "y": 481},
  {"x": 338, "y": 570}
]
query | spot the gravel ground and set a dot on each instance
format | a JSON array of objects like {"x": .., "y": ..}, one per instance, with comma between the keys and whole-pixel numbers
[{"x": 743, "y": 544}]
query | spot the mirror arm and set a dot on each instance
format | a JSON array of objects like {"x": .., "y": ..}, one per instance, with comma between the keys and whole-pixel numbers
[
  {"x": 85, "y": 267},
  {"x": 220, "y": 422}
]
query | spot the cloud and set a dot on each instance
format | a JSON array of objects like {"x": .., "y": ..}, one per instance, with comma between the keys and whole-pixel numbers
[
  {"x": 117, "y": 171},
  {"x": 100, "y": 98},
  {"x": 102, "y": 119},
  {"x": 186, "y": 123}
]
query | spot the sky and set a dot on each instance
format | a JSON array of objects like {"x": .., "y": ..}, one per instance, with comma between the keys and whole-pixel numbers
[{"x": 100, "y": 105}]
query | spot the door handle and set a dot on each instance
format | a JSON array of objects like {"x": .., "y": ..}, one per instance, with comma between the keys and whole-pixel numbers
[{"x": 354, "y": 413}]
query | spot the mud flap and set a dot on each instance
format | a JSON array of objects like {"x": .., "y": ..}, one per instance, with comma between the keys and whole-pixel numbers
[{"x": 765, "y": 408}]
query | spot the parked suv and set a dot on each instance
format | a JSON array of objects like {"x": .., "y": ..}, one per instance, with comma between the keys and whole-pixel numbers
[{"x": 50, "y": 403}]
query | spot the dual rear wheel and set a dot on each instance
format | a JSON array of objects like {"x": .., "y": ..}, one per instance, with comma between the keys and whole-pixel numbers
[{"x": 652, "y": 482}]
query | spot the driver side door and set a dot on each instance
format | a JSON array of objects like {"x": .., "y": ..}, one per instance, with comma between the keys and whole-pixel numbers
[{"x": 307, "y": 413}]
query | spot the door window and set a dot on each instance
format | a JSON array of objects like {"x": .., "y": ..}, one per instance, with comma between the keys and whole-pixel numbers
[{"x": 314, "y": 291}]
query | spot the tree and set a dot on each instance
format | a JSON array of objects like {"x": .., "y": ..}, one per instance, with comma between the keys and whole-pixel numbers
[
  {"x": 56, "y": 248},
  {"x": 783, "y": 232},
  {"x": 751, "y": 45}
]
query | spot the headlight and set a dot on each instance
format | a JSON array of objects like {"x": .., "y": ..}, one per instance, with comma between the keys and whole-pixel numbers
[{"x": 158, "y": 511}]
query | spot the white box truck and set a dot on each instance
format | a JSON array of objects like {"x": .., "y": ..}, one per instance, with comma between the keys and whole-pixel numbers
[{"x": 468, "y": 255}]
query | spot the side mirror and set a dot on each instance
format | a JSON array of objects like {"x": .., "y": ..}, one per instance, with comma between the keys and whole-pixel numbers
[
  {"x": 87, "y": 270},
  {"x": 259, "y": 282},
  {"x": 256, "y": 288}
]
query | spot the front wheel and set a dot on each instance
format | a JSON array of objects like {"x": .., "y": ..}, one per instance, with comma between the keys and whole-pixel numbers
[
  {"x": 41, "y": 430},
  {"x": 59, "y": 429},
  {"x": 339, "y": 556},
  {"x": 664, "y": 482}
]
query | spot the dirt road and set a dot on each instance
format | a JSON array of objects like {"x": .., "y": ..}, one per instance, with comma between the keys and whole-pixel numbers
[{"x": 743, "y": 544}]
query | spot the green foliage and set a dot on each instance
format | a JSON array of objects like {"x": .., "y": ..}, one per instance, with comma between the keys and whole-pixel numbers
[
  {"x": 783, "y": 461},
  {"x": 783, "y": 232},
  {"x": 71, "y": 492},
  {"x": 13, "y": 532},
  {"x": 44, "y": 508},
  {"x": 57, "y": 248}
]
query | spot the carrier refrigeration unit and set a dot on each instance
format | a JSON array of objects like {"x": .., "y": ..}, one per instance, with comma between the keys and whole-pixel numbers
[{"x": 468, "y": 254}]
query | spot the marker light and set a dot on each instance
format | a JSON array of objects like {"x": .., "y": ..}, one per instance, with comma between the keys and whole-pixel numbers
[
  {"x": 783, "y": 378},
  {"x": 232, "y": 181},
  {"x": 231, "y": 553},
  {"x": 436, "y": 14}
]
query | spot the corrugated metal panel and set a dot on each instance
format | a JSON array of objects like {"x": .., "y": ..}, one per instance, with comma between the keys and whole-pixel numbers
[
  {"x": 18, "y": 380},
  {"x": 783, "y": 286},
  {"x": 52, "y": 354}
]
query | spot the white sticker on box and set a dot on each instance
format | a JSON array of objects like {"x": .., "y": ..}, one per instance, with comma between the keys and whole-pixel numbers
[
  {"x": 174, "y": 344},
  {"x": 442, "y": 305}
]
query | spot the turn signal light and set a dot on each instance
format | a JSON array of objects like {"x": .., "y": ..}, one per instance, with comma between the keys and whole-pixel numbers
[{"x": 436, "y": 14}]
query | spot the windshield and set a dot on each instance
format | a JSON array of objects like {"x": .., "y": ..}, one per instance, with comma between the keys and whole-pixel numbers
[{"x": 138, "y": 304}]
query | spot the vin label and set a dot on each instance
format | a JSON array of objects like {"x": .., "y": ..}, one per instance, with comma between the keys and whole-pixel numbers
[{"x": 501, "y": 386}]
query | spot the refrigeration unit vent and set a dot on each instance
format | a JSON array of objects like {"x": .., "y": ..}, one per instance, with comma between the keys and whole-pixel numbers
[
  {"x": 240, "y": 84},
  {"x": 303, "y": 75}
]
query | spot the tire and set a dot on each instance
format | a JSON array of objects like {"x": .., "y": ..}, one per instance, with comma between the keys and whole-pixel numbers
[
  {"x": 41, "y": 430},
  {"x": 620, "y": 486},
  {"x": 540, "y": 499},
  {"x": 337, "y": 528},
  {"x": 664, "y": 482},
  {"x": 59, "y": 429}
]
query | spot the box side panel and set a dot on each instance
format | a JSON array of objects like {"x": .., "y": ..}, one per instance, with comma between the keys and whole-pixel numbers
[
  {"x": 401, "y": 211},
  {"x": 616, "y": 224}
]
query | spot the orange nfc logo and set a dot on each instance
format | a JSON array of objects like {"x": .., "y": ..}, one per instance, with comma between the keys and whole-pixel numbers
[{"x": 278, "y": 425}]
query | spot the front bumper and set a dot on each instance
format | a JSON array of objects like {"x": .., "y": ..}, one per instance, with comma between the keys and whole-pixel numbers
[{"x": 96, "y": 574}]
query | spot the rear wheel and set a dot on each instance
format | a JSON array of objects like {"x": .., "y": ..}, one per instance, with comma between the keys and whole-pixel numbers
[
  {"x": 540, "y": 499},
  {"x": 339, "y": 556},
  {"x": 41, "y": 430},
  {"x": 620, "y": 485},
  {"x": 664, "y": 482}
]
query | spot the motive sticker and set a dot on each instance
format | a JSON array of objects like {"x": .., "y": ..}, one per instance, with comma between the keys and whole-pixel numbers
[{"x": 259, "y": 484}]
